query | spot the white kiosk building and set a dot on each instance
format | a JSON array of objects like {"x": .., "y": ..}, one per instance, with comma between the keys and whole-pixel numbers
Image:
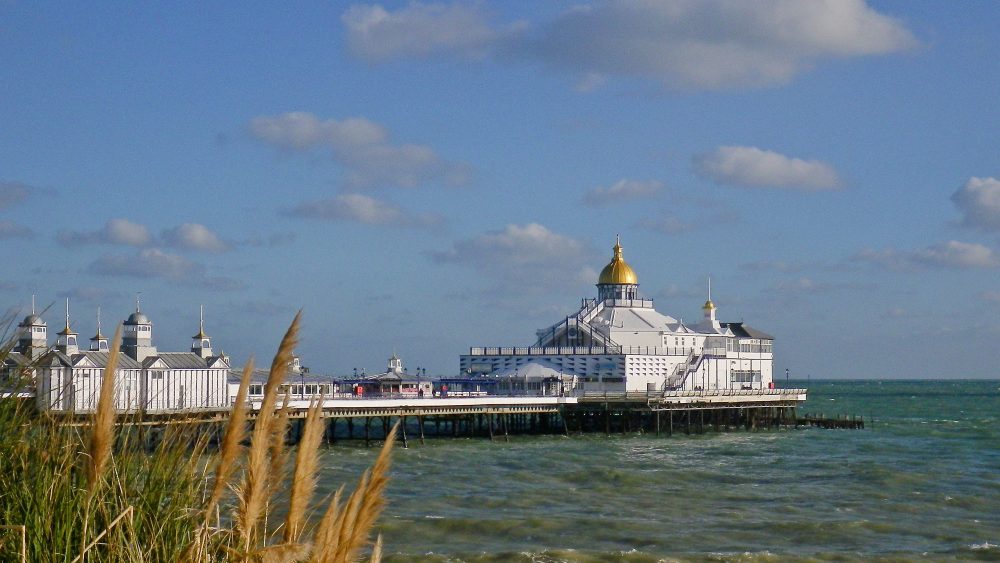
[{"x": 619, "y": 342}]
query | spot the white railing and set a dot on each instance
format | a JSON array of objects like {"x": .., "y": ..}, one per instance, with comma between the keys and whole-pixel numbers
[
  {"x": 690, "y": 393},
  {"x": 584, "y": 350}
]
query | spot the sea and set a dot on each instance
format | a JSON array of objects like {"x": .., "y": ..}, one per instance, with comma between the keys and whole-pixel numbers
[{"x": 920, "y": 483}]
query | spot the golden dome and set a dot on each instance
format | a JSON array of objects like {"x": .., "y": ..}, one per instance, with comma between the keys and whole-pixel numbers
[
  {"x": 708, "y": 305},
  {"x": 618, "y": 272}
]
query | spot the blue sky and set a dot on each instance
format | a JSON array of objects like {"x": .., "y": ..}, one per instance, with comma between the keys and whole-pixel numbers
[{"x": 425, "y": 177}]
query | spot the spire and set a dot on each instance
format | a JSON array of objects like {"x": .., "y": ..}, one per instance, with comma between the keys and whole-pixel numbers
[
  {"x": 201, "y": 323},
  {"x": 99, "y": 342},
  {"x": 67, "y": 343},
  {"x": 66, "y": 329},
  {"x": 709, "y": 306},
  {"x": 201, "y": 344},
  {"x": 32, "y": 303},
  {"x": 137, "y": 294}
]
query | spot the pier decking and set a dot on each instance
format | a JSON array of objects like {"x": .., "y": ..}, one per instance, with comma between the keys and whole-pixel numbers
[{"x": 493, "y": 415}]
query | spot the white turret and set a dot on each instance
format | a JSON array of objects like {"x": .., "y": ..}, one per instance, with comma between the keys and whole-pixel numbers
[
  {"x": 33, "y": 339},
  {"x": 395, "y": 364},
  {"x": 137, "y": 342}
]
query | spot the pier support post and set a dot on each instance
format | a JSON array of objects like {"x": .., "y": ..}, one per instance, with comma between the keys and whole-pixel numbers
[
  {"x": 402, "y": 431},
  {"x": 657, "y": 422},
  {"x": 420, "y": 420},
  {"x": 506, "y": 438},
  {"x": 368, "y": 425},
  {"x": 490, "y": 425}
]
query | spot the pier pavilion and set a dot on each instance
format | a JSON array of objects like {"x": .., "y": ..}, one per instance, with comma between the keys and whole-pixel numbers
[{"x": 620, "y": 343}]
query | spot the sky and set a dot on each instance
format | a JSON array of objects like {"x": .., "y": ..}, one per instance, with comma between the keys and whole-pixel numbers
[{"x": 421, "y": 178}]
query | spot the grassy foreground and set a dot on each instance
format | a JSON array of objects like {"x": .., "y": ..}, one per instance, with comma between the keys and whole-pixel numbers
[{"x": 95, "y": 493}]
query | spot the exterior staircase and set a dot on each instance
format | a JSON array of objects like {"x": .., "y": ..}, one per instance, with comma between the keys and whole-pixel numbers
[{"x": 683, "y": 370}]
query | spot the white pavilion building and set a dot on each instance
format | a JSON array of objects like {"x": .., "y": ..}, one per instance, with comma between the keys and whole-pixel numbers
[
  {"x": 619, "y": 342},
  {"x": 67, "y": 378}
]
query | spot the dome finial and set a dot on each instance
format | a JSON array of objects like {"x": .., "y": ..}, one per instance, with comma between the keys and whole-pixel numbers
[
  {"x": 617, "y": 272},
  {"x": 709, "y": 305}
]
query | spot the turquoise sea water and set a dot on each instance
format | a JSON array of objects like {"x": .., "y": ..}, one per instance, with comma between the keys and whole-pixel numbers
[{"x": 921, "y": 483}]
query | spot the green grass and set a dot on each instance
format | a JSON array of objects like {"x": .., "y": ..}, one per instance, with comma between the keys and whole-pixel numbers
[{"x": 166, "y": 498}]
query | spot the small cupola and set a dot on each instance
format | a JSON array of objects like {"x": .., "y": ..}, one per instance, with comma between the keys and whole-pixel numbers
[
  {"x": 201, "y": 344},
  {"x": 67, "y": 342},
  {"x": 395, "y": 364},
  {"x": 99, "y": 342}
]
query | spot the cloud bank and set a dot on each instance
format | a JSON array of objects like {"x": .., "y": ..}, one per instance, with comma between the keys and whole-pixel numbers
[
  {"x": 525, "y": 258},
  {"x": 979, "y": 202},
  {"x": 948, "y": 255},
  {"x": 362, "y": 147},
  {"x": 187, "y": 236},
  {"x": 358, "y": 208},
  {"x": 757, "y": 168},
  {"x": 622, "y": 191},
  {"x": 705, "y": 44}
]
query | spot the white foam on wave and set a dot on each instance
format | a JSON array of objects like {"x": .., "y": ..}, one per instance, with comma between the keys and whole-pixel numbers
[{"x": 984, "y": 545}]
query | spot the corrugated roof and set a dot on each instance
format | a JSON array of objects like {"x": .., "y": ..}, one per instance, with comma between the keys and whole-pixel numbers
[
  {"x": 101, "y": 360},
  {"x": 182, "y": 360}
]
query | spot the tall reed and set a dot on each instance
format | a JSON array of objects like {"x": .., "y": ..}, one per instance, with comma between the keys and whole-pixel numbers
[{"x": 99, "y": 492}]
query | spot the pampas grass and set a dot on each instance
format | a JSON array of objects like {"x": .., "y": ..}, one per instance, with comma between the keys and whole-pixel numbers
[
  {"x": 102, "y": 431},
  {"x": 304, "y": 479},
  {"x": 97, "y": 494}
]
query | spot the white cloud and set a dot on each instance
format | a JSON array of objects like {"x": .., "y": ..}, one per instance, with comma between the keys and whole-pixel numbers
[
  {"x": 13, "y": 193},
  {"x": 418, "y": 30},
  {"x": 192, "y": 236},
  {"x": 526, "y": 258},
  {"x": 152, "y": 263},
  {"x": 948, "y": 255},
  {"x": 362, "y": 147},
  {"x": 955, "y": 254},
  {"x": 148, "y": 263},
  {"x": 684, "y": 44},
  {"x": 621, "y": 191},
  {"x": 115, "y": 231},
  {"x": 10, "y": 229},
  {"x": 360, "y": 208},
  {"x": 750, "y": 166},
  {"x": 979, "y": 202}
]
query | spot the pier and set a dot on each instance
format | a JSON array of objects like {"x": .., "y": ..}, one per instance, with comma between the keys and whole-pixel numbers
[{"x": 369, "y": 419}]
